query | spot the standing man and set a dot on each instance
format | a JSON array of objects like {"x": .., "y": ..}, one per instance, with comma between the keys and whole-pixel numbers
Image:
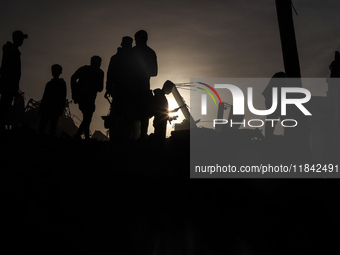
[
  {"x": 120, "y": 69},
  {"x": 85, "y": 83},
  {"x": 119, "y": 83},
  {"x": 10, "y": 74},
  {"x": 333, "y": 93},
  {"x": 145, "y": 68},
  {"x": 52, "y": 104}
]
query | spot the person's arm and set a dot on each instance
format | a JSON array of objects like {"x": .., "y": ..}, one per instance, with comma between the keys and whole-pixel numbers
[
  {"x": 74, "y": 78},
  {"x": 110, "y": 77},
  {"x": 154, "y": 66},
  {"x": 43, "y": 99},
  {"x": 63, "y": 98}
]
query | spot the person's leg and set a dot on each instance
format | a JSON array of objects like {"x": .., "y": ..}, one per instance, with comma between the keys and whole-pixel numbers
[
  {"x": 5, "y": 106},
  {"x": 269, "y": 128},
  {"x": 272, "y": 119},
  {"x": 144, "y": 112},
  {"x": 144, "y": 124},
  {"x": 87, "y": 108},
  {"x": 86, "y": 122},
  {"x": 53, "y": 124},
  {"x": 81, "y": 127},
  {"x": 43, "y": 124},
  {"x": 160, "y": 131}
]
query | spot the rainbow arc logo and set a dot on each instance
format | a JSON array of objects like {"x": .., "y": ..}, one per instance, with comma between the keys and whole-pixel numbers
[{"x": 209, "y": 93}]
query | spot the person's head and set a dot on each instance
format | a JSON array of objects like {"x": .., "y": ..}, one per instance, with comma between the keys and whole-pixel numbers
[
  {"x": 127, "y": 42},
  {"x": 141, "y": 37},
  {"x": 96, "y": 61},
  {"x": 18, "y": 37},
  {"x": 279, "y": 75},
  {"x": 277, "y": 80},
  {"x": 158, "y": 92},
  {"x": 56, "y": 70}
]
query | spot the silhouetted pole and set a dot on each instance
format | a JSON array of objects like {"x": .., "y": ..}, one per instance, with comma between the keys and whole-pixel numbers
[
  {"x": 183, "y": 106},
  {"x": 288, "y": 40},
  {"x": 169, "y": 86},
  {"x": 298, "y": 136}
]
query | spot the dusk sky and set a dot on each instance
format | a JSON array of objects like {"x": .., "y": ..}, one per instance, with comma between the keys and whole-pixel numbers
[{"x": 192, "y": 39}]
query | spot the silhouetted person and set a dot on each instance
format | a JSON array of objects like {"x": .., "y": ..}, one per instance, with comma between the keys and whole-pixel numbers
[
  {"x": 277, "y": 82},
  {"x": 334, "y": 67},
  {"x": 119, "y": 84},
  {"x": 120, "y": 70},
  {"x": 10, "y": 74},
  {"x": 85, "y": 83},
  {"x": 17, "y": 111},
  {"x": 334, "y": 89},
  {"x": 161, "y": 113},
  {"x": 145, "y": 67},
  {"x": 53, "y": 101}
]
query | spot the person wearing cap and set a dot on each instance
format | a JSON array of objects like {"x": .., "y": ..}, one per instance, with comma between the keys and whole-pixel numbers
[{"x": 10, "y": 74}]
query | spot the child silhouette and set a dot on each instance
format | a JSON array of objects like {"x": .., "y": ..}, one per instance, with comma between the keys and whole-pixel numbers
[{"x": 53, "y": 101}]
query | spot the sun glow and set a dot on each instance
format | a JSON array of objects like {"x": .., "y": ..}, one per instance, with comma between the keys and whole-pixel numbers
[{"x": 173, "y": 105}]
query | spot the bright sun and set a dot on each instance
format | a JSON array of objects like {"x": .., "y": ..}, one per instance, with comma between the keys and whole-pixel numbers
[{"x": 173, "y": 105}]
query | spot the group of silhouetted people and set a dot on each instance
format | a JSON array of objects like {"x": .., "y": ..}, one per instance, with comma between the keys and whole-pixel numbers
[{"x": 128, "y": 84}]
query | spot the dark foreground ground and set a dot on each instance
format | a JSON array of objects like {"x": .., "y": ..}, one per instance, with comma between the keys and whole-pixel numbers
[{"x": 61, "y": 196}]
